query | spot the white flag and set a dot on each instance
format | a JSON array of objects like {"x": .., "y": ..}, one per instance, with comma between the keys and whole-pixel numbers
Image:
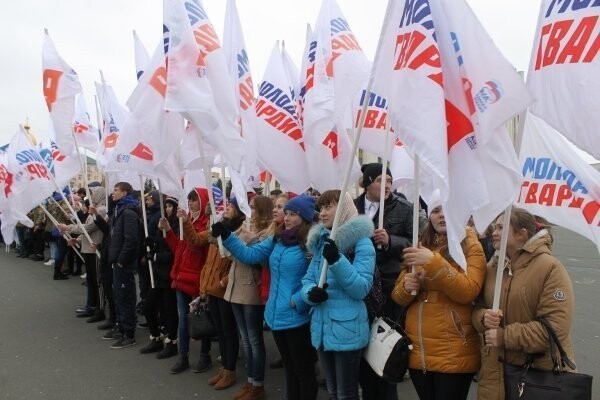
[
  {"x": 85, "y": 132},
  {"x": 142, "y": 59},
  {"x": 564, "y": 69},
  {"x": 114, "y": 116},
  {"x": 61, "y": 84},
  {"x": 64, "y": 167},
  {"x": 10, "y": 214},
  {"x": 281, "y": 144},
  {"x": 558, "y": 185}
]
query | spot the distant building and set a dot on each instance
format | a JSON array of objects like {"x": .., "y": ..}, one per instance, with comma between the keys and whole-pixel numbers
[{"x": 92, "y": 174}]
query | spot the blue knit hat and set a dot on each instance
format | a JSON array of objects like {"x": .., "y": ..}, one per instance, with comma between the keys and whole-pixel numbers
[{"x": 303, "y": 205}]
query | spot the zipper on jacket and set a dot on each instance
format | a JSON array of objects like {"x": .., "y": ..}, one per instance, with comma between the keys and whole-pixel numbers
[{"x": 420, "y": 332}]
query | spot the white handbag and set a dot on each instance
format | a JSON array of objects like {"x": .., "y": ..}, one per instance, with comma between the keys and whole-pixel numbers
[{"x": 388, "y": 350}]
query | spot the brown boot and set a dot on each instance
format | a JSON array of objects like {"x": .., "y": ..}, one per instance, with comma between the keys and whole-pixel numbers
[
  {"x": 227, "y": 380},
  {"x": 242, "y": 392},
  {"x": 255, "y": 393},
  {"x": 217, "y": 377}
]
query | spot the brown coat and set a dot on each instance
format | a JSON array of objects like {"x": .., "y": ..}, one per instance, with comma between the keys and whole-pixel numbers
[
  {"x": 245, "y": 280},
  {"x": 438, "y": 319},
  {"x": 214, "y": 274},
  {"x": 536, "y": 284}
]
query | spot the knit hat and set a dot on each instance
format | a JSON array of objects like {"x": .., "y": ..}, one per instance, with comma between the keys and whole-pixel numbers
[
  {"x": 172, "y": 201},
  {"x": 371, "y": 172},
  {"x": 347, "y": 209},
  {"x": 233, "y": 201},
  {"x": 154, "y": 195},
  {"x": 303, "y": 205}
]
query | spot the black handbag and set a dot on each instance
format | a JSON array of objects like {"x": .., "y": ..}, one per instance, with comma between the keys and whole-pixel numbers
[
  {"x": 200, "y": 324},
  {"x": 522, "y": 382}
]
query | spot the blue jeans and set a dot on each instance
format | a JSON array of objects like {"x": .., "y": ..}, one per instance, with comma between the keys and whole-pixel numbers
[
  {"x": 249, "y": 318},
  {"x": 183, "y": 308},
  {"x": 125, "y": 298},
  {"x": 341, "y": 373}
]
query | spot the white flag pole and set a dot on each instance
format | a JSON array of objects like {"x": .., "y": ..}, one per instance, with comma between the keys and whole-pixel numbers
[
  {"x": 162, "y": 206},
  {"x": 361, "y": 122},
  {"x": 65, "y": 235},
  {"x": 146, "y": 230},
  {"x": 384, "y": 161},
  {"x": 415, "y": 228}
]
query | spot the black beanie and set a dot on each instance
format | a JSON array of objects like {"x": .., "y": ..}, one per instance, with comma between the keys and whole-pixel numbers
[{"x": 371, "y": 172}]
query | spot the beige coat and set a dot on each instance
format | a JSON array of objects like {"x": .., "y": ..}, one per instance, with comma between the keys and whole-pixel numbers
[
  {"x": 438, "y": 319},
  {"x": 535, "y": 284},
  {"x": 244, "y": 282},
  {"x": 98, "y": 196}
]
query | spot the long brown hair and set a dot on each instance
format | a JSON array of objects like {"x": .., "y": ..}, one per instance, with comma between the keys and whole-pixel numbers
[
  {"x": 523, "y": 219},
  {"x": 263, "y": 212},
  {"x": 301, "y": 232},
  {"x": 431, "y": 239}
]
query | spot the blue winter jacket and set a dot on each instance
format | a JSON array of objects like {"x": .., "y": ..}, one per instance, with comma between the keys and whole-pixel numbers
[
  {"x": 341, "y": 323},
  {"x": 288, "y": 265}
]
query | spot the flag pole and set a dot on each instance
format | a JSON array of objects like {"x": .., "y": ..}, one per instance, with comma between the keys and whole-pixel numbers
[
  {"x": 146, "y": 231},
  {"x": 162, "y": 206},
  {"x": 361, "y": 122},
  {"x": 384, "y": 161},
  {"x": 65, "y": 235},
  {"x": 415, "y": 227}
]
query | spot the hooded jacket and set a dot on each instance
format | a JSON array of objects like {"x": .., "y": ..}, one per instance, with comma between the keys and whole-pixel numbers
[
  {"x": 341, "y": 323},
  {"x": 535, "y": 284},
  {"x": 189, "y": 259},
  {"x": 126, "y": 233},
  {"x": 438, "y": 318}
]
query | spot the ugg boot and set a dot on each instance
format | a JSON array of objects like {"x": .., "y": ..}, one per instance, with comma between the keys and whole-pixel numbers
[
  {"x": 227, "y": 380},
  {"x": 255, "y": 393},
  {"x": 216, "y": 378},
  {"x": 242, "y": 392}
]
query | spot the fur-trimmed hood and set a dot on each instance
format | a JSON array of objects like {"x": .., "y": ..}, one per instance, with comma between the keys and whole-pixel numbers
[{"x": 347, "y": 235}]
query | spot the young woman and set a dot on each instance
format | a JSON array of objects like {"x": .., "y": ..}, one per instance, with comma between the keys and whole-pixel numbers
[
  {"x": 438, "y": 320},
  {"x": 339, "y": 322},
  {"x": 162, "y": 299},
  {"x": 185, "y": 275},
  {"x": 243, "y": 292},
  {"x": 534, "y": 284},
  {"x": 285, "y": 312}
]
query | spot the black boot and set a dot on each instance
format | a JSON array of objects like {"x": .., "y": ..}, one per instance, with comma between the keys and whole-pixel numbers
[
  {"x": 155, "y": 345},
  {"x": 169, "y": 349},
  {"x": 181, "y": 364},
  {"x": 97, "y": 317},
  {"x": 58, "y": 275}
]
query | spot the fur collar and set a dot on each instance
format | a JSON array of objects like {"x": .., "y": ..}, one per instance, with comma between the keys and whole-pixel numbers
[{"x": 348, "y": 234}]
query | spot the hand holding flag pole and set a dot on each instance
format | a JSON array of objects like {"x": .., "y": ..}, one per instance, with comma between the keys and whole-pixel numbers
[
  {"x": 65, "y": 235},
  {"x": 146, "y": 232},
  {"x": 162, "y": 206}
]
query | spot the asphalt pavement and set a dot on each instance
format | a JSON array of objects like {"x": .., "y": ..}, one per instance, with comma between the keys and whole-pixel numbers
[{"x": 47, "y": 353}]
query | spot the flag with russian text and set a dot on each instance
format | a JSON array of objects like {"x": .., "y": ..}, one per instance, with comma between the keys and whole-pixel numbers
[
  {"x": 558, "y": 185},
  {"x": 61, "y": 85},
  {"x": 564, "y": 70},
  {"x": 10, "y": 215},
  {"x": 64, "y": 167},
  {"x": 86, "y": 134},
  {"x": 281, "y": 146}
]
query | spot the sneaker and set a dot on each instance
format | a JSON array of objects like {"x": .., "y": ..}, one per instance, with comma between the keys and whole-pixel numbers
[
  {"x": 83, "y": 276},
  {"x": 49, "y": 263},
  {"x": 36, "y": 257},
  {"x": 123, "y": 342},
  {"x": 113, "y": 334},
  {"x": 106, "y": 325},
  {"x": 169, "y": 350},
  {"x": 152, "y": 347},
  {"x": 82, "y": 309},
  {"x": 86, "y": 314},
  {"x": 97, "y": 317},
  {"x": 203, "y": 365}
]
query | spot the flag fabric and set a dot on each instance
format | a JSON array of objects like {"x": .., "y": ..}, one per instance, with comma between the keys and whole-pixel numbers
[
  {"x": 564, "y": 69},
  {"x": 151, "y": 133},
  {"x": 373, "y": 132},
  {"x": 334, "y": 69},
  {"x": 142, "y": 59},
  {"x": 197, "y": 88},
  {"x": 10, "y": 215},
  {"x": 281, "y": 147},
  {"x": 31, "y": 179},
  {"x": 61, "y": 85},
  {"x": 218, "y": 198},
  {"x": 558, "y": 185},
  {"x": 114, "y": 116},
  {"x": 64, "y": 167},
  {"x": 85, "y": 132},
  {"x": 451, "y": 95},
  {"x": 241, "y": 77}
]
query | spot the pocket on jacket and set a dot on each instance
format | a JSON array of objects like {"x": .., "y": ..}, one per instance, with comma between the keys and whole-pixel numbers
[{"x": 344, "y": 324}]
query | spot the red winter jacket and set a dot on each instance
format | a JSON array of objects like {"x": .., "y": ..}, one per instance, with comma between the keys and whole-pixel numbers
[{"x": 189, "y": 259}]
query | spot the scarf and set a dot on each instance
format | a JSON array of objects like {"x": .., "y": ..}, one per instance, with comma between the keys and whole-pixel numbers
[{"x": 289, "y": 238}]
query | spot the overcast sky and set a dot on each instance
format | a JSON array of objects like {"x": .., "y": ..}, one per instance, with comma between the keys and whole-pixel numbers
[{"x": 92, "y": 35}]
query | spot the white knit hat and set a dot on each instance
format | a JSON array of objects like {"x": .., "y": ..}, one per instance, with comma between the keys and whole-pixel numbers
[{"x": 348, "y": 209}]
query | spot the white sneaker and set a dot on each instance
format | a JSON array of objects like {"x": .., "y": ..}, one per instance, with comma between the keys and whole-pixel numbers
[
  {"x": 49, "y": 263},
  {"x": 83, "y": 276}
]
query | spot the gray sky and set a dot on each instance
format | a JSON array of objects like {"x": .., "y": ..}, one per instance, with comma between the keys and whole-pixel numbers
[{"x": 92, "y": 35}]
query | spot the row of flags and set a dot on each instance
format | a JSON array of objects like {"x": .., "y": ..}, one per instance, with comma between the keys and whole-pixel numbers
[{"x": 438, "y": 90}]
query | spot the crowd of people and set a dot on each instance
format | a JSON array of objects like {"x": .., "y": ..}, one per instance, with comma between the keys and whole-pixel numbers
[{"x": 266, "y": 273}]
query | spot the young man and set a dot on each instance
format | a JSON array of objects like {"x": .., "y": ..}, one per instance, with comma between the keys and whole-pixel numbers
[{"x": 123, "y": 255}]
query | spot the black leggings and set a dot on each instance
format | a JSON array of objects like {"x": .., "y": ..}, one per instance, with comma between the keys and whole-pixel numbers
[
  {"x": 163, "y": 301},
  {"x": 441, "y": 386}
]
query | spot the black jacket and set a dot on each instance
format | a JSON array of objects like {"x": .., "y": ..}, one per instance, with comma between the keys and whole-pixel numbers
[
  {"x": 397, "y": 221},
  {"x": 125, "y": 235}
]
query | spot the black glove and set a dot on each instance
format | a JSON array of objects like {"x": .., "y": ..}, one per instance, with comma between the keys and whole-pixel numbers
[
  {"x": 218, "y": 229},
  {"x": 318, "y": 295},
  {"x": 331, "y": 252}
]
